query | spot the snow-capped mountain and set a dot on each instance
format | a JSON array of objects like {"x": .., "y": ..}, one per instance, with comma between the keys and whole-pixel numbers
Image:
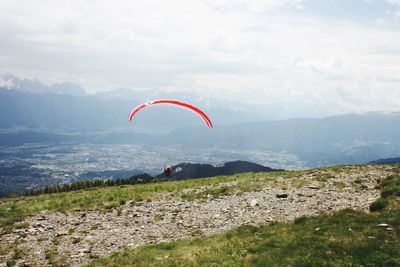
[{"x": 11, "y": 82}]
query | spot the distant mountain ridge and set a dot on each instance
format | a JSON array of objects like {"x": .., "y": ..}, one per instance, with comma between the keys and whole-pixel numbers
[
  {"x": 345, "y": 139},
  {"x": 31, "y": 112},
  {"x": 192, "y": 170},
  {"x": 11, "y": 82},
  {"x": 65, "y": 106},
  {"x": 385, "y": 161}
]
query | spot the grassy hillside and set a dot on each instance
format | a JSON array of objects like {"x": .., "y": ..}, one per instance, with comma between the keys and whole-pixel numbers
[
  {"x": 75, "y": 228},
  {"x": 15, "y": 209},
  {"x": 345, "y": 238}
]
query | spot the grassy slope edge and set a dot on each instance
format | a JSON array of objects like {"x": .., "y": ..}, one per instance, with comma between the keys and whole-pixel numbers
[
  {"x": 13, "y": 210},
  {"x": 344, "y": 238}
]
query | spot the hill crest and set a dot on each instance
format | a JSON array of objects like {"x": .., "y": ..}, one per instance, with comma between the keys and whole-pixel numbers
[{"x": 199, "y": 170}]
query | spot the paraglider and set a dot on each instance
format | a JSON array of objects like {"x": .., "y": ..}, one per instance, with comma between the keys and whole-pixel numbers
[
  {"x": 167, "y": 170},
  {"x": 204, "y": 116},
  {"x": 198, "y": 111}
]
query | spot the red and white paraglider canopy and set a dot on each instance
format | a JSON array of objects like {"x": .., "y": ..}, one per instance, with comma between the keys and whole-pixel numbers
[{"x": 198, "y": 111}]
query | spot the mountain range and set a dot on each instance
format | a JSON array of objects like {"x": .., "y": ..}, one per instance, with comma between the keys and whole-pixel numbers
[
  {"x": 386, "y": 161},
  {"x": 66, "y": 108},
  {"x": 345, "y": 139},
  {"x": 29, "y": 114}
]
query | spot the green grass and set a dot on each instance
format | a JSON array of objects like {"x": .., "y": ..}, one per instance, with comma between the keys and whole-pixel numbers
[
  {"x": 13, "y": 210},
  {"x": 390, "y": 186},
  {"x": 2, "y": 250},
  {"x": 211, "y": 192},
  {"x": 345, "y": 238},
  {"x": 390, "y": 194},
  {"x": 379, "y": 204},
  {"x": 324, "y": 177},
  {"x": 55, "y": 259}
]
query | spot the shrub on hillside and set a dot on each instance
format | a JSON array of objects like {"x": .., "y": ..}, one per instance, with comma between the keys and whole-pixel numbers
[
  {"x": 390, "y": 187},
  {"x": 379, "y": 204}
]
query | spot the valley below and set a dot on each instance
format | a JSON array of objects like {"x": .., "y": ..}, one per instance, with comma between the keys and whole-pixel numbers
[{"x": 36, "y": 165}]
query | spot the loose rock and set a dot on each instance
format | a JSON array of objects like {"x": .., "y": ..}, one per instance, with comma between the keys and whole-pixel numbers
[
  {"x": 253, "y": 203},
  {"x": 313, "y": 187},
  {"x": 282, "y": 195}
]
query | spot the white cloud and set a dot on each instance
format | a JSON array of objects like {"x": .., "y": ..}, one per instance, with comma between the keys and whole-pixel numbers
[
  {"x": 256, "y": 51},
  {"x": 393, "y": 2},
  {"x": 256, "y": 6}
]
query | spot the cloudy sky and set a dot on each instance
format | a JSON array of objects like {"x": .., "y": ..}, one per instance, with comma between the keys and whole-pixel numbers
[{"x": 334, "y": 56}]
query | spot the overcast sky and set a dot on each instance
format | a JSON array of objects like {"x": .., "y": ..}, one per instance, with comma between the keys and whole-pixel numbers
[{"x": 331, "y": 55}]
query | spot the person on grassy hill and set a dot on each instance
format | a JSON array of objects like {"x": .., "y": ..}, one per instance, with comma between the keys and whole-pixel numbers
[{"x": 167, "y": 170}]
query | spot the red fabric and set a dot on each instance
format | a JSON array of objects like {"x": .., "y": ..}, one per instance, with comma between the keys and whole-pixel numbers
[{"x": 172, "y": 102}]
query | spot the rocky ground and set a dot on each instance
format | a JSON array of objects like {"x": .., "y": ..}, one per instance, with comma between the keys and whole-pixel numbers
[{"x": 76, "y": 238}]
